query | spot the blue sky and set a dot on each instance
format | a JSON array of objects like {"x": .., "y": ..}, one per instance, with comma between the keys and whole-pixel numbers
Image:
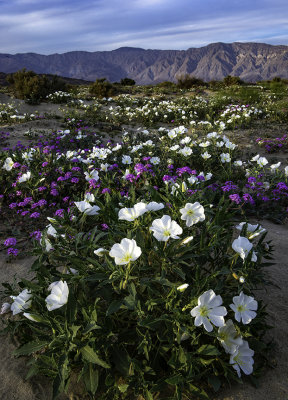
[{"x": 57, "y": 26}]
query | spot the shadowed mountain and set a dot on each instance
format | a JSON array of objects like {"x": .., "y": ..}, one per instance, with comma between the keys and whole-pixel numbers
[{"x": 250, "y": 61}]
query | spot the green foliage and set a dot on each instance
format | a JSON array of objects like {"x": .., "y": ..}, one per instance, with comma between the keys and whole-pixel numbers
[
  {"x": 127, "y": 82},
  {"x": 32, "y": 87},
  {"x": 232, "y": 80},
  {"x": 103, "y": 88},
  {"x": 188, "y": 82}
]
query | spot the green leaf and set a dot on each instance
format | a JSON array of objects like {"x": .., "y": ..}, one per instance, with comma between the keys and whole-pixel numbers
[
  {"x": 123, "y": 362},
  {"x": 174, "y": 380},
  {"x": 199, "y": 393},
  {"x": 30, "y": 348},
  {"x": 123, "y": 387},
  {"x": 91, "y": 327},
  {"x": 61, "y": 381},
  {"x": 208, "y": 350},
  {"x": 89, "y": 355},
  {"x": 91, "y": 379},
  {"x": 71, "y": 310},
  {"x": 113, "y": 307},
  {"x": 214, "y": 382}
]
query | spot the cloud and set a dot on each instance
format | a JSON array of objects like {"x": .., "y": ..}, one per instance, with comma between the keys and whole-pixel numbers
[{"x": 52, "y": 26}]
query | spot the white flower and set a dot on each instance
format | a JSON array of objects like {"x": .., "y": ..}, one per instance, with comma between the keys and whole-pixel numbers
[
  {"x": 192, "y": 213},
  {"x": 187, "y": 240},
  {"x": 130, "y": 214},
  {"x": 238, "y": 163},
  {"x": 51, "y": 231},
  {"x": 89, "y": 197},
  {"x": 244, "y": 307},
  {"x": 126, "y": 160},
  {"x": 21, "y": 302},
  {"x": 125, "y": 251},
  {"x": 204, "y": 144},
  {"x": 242, "y": 246},
  {"x": 183, "y": 287},
  {"x": 100, "y": 252},
  {"x": 274, "y": 167},
  {"x": 154, "y": 206},
  {"x": 172, "y": 134},
  {"x": 286, "y": 171},
  {"x": 186, "y": 151},
  {"x": 174, "y": 148},
  {"x": 209, "y": 310},
  {"x": 229, "y": 337},
  {"x": 8, "y": 164},
  {"x": 205, "y": 155},
  {"x": 243, "y": 358},
  {"x": 225, "y": 157},
  {"x": 91, "y": 175},
  {"x": 86, "y": 207},
  {"x": 164, "y": 228},
  {"x": 262, "y": 161},
  {"x": 252, "y": 230},
  {"x": 155, "y": 160},
  {"x": 5, "y": 308},
  {"x": 25, "y": 177},
  {"x": 255, "y": 158},
  {"x": 59, "y": 295}
]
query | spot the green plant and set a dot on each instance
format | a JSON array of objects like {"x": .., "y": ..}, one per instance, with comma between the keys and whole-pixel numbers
[{"x": 103, "y": 88}]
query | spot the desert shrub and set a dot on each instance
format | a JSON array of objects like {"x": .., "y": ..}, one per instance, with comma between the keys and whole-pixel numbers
[
  {"x": 188, "y": 82},
  {"x": 232, "y": 80},
  {"x": 103, "y": 88},
  {"x": 127, "y": 82},
  {"x": 32, "y": 87}
]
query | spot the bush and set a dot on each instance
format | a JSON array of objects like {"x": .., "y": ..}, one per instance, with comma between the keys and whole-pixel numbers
[
  {"x": 33, "y": 88},
  {"x": 232, "y": 80},
  {"x": 127, "y": 82},
  {"x": 188, "y": 82},
  {"x": 103, "y": 88}
]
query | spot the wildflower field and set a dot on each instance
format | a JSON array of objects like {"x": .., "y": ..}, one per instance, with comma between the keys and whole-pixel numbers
[{"x": 142, "y": 215}]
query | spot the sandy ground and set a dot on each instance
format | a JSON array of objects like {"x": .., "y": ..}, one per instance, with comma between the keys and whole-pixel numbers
[{"x": 273, "y": 385}]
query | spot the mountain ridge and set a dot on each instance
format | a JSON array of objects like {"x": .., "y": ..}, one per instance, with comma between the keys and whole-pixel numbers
[{"x": 250, "y": 61}]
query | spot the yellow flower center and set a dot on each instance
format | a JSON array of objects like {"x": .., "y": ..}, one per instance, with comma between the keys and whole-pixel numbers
[
  {"x": 166, "y": 233},
  {"x": 241, "y": 308},
  {"x": 204, "y": 311},
  {"x": 127, "y": 257}
]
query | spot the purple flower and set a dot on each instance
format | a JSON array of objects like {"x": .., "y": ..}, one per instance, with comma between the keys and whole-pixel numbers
[
  {"x": 10, "y": 241},
  {"x": 65, "y": 199},
  {"x": 12, "y": 205},
  {"x": 235, "y": 198},
  {"x": 35, "y": 215},
  {"x": 23, "y": 213},
  {"x": 12, "y": 252},
  {"x": 106, "y": 190},
  {"x": 60, "y": 213},
  {"x": 16, "y": 165},
  {"x": 74, "y": 180},
  {"x": 54, "y": 192},
  {"x": 248, "y": 198},
  {"x": 42, "y": 188},
  {"x": 104, "y": 227},
  {"x": 36, "y": 235},
  {"x": 44, "y": 164}
]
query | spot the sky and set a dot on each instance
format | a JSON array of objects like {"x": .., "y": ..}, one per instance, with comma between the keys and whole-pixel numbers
[{"x": 58, "y": 26}]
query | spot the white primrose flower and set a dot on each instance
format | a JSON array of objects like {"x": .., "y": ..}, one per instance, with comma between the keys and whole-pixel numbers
[
  {"x": 126, "y": 160},
  {"x": 91, "y": 175},
  {"x": 242, "y": 246},
  {"x": 5, "y": 308},
  {"x": 8, "y": 164},
  {"x": 165, "y": 228},
  {"x": 225, "y": 157},
  {"x": 89, "y": 197},
  {"x": 229, "y": 337},
  {"x": 274, "y": 167},
  {"x": 104, "y": 167},
  {"x": 86, "y": 208},
  {"x": 155, "y": 160},
  {"x": 255, "y": 158},
  {"x": 187, "y": 240},
  {"x": 186, "y": 151},
  {"x": 244, "y": 307},
  {"x": 21, "y": 302},
  {"x": 51, "y": 231},
  {"x": 130, "y": 214},
  {"x": 154, "y": 206},
  {"x": 174, "y": 148},
  {"x": 262, "y": 161},
  {"x": 192, "y": 213},
  {"x": 205, "y": 155},
  {"x": 209, "y": 310},
  {"x": 100, "y": 252},
  {"x": 286, "y": 171},
  {"x": 59, "y": 295},
  {"x": 125, "y": 251},
  {"x": 172, "y": 134},
  {"x": 183, "y": 287},
  {"x": 242, "y": 358},
  {"x": 252, "y": 230},
  {"x": 238, "y": 163},
  {"x": 25, "y": 177}
]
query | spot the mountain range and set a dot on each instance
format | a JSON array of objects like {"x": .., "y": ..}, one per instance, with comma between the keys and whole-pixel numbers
[{"x": 250, "y": 61}]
